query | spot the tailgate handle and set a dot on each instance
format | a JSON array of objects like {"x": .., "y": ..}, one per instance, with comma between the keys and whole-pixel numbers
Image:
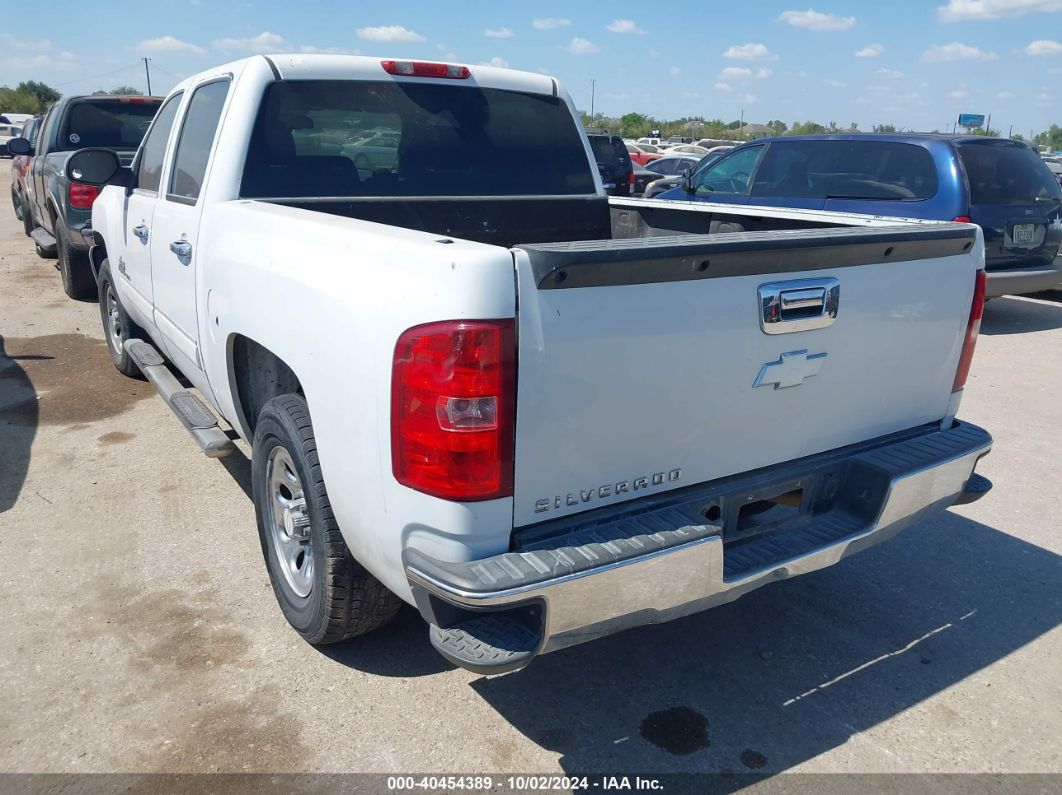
[{"x": 798, "y": 305}]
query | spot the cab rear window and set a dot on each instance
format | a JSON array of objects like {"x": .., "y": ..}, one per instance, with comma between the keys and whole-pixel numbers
[
  {"x": 1004, "y": 173},
  {"x": 118, "y": 123},
  {"x": 871, "y": 170},
  {"x": 350, "y": 138}
]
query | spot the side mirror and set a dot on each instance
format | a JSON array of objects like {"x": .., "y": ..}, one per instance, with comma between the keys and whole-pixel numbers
[
  {"x": 98, "y": 167},
  {"x": 687, "y": 182},
  {"x": 19, "y": 146}
]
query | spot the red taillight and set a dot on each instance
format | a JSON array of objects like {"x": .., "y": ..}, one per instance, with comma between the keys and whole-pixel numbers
[
  {"x": 452, "y": 409},
  {"x": 82, "y": 195},
  {"x": 445, "y": 71},
  {"x": 973, "y": 327},
  {"x": 632, "y": 181},
  {"x": 962, "y": 219}
]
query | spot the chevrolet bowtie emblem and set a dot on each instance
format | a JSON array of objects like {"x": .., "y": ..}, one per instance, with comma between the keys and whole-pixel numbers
[{"x": 790, "y": 370}]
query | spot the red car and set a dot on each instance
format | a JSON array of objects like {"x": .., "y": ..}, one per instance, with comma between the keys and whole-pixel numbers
[
  {"x": 20, "y": 165},
  {"x": 643, "y": 153}
]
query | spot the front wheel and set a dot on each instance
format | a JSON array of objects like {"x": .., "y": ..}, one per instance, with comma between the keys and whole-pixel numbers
[
  {"x": 117, "y": 325},
  {"x": 324, "y": 593}
]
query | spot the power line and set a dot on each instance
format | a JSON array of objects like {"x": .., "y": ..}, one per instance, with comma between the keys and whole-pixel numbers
[{"x": 97, "y": 77}]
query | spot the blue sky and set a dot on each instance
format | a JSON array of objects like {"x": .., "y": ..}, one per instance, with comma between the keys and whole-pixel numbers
[{"x": 913, "y": 64}]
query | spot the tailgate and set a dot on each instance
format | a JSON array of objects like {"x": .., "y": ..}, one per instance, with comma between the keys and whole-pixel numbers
[{"x": 648, "y": 365}]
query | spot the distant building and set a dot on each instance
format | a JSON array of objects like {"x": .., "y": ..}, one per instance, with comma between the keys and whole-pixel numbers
[{"x": 755, "y": 130}]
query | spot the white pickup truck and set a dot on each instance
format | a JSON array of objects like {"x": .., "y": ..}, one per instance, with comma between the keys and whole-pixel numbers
[{"x": 473, "y": 382}]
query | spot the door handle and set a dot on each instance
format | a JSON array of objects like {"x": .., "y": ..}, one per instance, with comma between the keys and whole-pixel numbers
[
  {"x": 141, "y": 232},
  {"x": 182, "y": 248}
]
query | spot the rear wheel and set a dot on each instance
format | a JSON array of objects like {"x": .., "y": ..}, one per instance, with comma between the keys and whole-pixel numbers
[
  {"x": 74, "y": 266},
  {"x": 117, "y": 325},
  {"x": 324, "y": 593},
  {"x": 16, "y": 202}
]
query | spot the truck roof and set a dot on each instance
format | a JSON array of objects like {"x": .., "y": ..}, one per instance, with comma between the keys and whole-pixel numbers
[{"x": 303, "y": 66}]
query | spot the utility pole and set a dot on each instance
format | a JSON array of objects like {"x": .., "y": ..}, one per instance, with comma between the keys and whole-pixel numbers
[
  {"x": 1011, "y": 133},
  {"x": 147, "y": 72},
  {"x": 988, "y": 125},
  {"x": 593, "y": 91}
]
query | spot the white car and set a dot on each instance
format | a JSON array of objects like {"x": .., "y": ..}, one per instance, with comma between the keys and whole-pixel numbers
[
  {"x": 634, "y": 417},
  {"x": 7, "y": 132}
]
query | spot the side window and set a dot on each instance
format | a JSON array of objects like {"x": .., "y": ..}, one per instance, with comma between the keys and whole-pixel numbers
[
  {"x": 153, "y": 150},
  {"x": 198, "y": 130},
  {"x": 46, "y": 127},
  {"x": 731, "y": 174}
]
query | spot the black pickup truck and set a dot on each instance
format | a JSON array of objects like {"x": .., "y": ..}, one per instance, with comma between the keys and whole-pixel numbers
[{"x": 60, "y": 209}]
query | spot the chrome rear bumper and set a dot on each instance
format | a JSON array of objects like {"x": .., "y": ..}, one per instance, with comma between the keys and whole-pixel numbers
[{"x": 642, "y": 564}]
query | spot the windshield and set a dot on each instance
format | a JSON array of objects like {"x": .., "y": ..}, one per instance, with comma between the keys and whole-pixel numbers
[
  {"x": 1007, "y": 174},
  {"x": 118, "y": 123},
  {"x": 344, "y": 138}
]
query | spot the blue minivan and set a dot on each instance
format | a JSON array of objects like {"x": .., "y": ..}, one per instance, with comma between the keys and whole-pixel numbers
[{"x": 1001, "y": 185}]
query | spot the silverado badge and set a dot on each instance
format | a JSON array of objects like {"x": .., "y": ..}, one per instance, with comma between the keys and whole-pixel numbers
[{"x": 790, "y": 370}]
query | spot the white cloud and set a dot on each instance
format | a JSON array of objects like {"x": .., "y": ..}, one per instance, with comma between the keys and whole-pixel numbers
[
  {"x": 624, "y": 26},
  {"x": 1005, "y": 95},
  {"x": 833, "y": 83},
  {"x": 751, "y": 99},
  {"x": 168, "y": 44},
  {"x": 735, "y": 73},
  {"x": 753, "y": 51},
  {"x": 963, "y": 10},
  {"x": 580, "y": 46},
  {"x": 891, "y": 74},
  {"x": 763, "y": 73},
  {"x": 501, "y": 63},
  {"x": 723, "y": 87},
  {"x": 654, "y": 53},
  {"x": 310, "y": 49},
  {"x": 958, "y": 94},
  {"x": 263, "y": 42},
  {"x": 870, "y": 51},
  {"x": 1044, "y": 47},
  {"x": 550, "y": 23},
  {"x": 956, "y": 51},
  {"x": 1044, "y": 99},
  {"x": 674, "y": 71},
  {"x": 498, "y": 33},
  {"x": 389, "y": 33},
  {"x": 817, "y": 21}
]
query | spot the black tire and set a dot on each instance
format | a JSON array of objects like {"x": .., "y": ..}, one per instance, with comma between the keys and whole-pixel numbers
[
  {"x": 27, "y": 217},
  {"x": 117, "y": 325},
  {"x": 73, "y": 264},
  {"x": 16, "y": 202},
  {"x": 344, "y": 599}
]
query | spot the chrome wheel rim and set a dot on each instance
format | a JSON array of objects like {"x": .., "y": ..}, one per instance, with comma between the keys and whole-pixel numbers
[
  {"x": 114, "y": 319},
  {"x": 289, "y": 522}
]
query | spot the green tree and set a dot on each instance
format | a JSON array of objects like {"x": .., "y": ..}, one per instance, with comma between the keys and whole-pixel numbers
[
  {"x": 127, "y": 91},
  {"x": 44, "y": 93},
  {"x": 1017, "y": 137},
  {"x": 778, "y": 126},
  {"x": 884, "y": 128},
  {"x": 806, "y": 128}
]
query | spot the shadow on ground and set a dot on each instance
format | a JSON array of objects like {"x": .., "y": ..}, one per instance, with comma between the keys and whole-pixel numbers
[
  {"x": 1010, "y": 315},
  {"x": 796, "y": 668},
  {"x": 19, "y": 416}
]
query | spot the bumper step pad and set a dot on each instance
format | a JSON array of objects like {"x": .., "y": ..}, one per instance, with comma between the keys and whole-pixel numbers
[{"x": 493, "y": 643}]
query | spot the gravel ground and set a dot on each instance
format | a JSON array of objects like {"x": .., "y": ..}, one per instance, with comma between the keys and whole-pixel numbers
[{"x": 141, "y": 635}]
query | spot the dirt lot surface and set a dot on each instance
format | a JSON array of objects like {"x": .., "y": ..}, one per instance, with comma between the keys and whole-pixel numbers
[{"x": 140, "y": 632}]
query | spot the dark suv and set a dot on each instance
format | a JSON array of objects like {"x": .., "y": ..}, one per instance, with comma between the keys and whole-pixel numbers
[
  {"x": 613, "y": 161},
  {"x": 59, "y": 208},
  {"x": 1001, "y": 185}
]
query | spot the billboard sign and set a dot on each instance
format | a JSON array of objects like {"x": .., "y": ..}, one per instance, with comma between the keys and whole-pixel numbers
[{"x": 971, "y": 120}]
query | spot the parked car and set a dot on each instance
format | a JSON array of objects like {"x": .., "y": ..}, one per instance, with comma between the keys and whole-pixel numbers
[
  {"x": 663, "y": 184},
  {"x": 60, "y": 207},
  {"x": 668, "y": 165},
  {"x": 688, "y": 149},
  {"x": 617, "y": 171},
  {"x": 657, "y": 142},
  {"x": 640, "y": 154},
  {"x": 642, "y": 178},
  {"x": 711, "y": 143},
  {"x": 1002, "y": 186},
  {"x": 536, "y": 443},
  {"x": 7, "y": 132},
  {"x": 1054, "y": 165},
  {"x": 21, "y": 187}
]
